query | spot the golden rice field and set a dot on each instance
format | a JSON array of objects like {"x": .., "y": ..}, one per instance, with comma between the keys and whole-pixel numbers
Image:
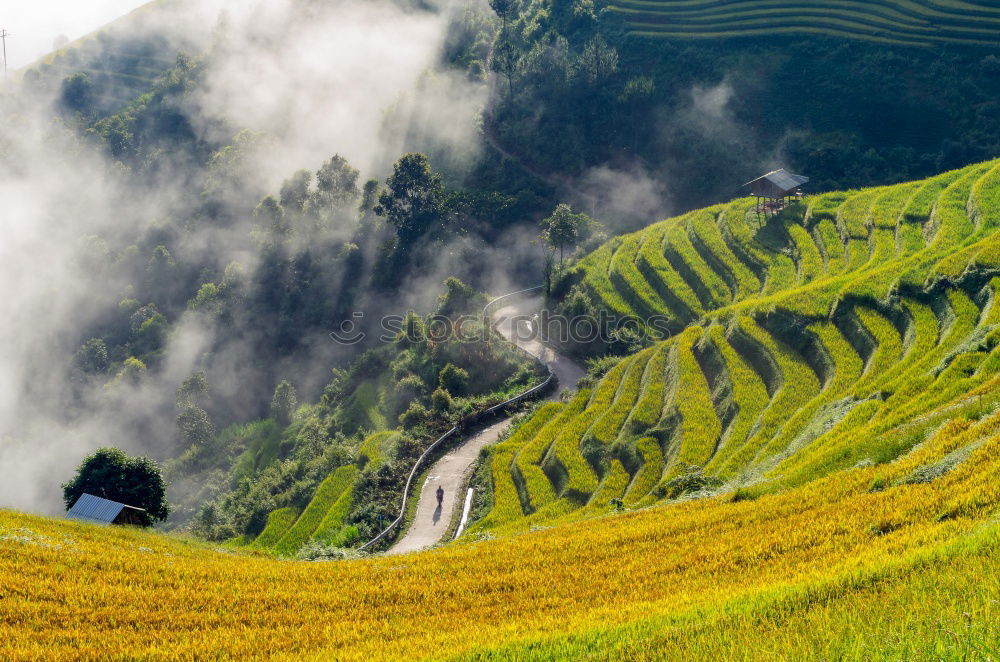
[{"x": 863, "y": 563}]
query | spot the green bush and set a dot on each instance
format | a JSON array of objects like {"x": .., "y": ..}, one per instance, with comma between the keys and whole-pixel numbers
[
  {"x": 441, "y": 401},
  {"x": 453, "y": 379},
  {"x": 414, "y": 415}
]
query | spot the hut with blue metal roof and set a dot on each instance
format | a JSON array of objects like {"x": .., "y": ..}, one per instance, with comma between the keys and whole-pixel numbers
[
  {"x": 775, "y": 188},
  {"x": 90, "y": 508}
]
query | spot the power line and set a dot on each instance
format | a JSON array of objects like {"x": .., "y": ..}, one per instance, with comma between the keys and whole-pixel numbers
[{"x": 3, "y": 37}]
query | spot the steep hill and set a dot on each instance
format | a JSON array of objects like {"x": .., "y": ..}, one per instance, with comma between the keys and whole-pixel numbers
[
  {"x": 923, "y": 23},
  {"x": 842, "y": 333}
]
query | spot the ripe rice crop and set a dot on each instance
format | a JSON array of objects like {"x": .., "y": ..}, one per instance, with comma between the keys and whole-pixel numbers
[
  {"x": 847, "y": 367},
  {"x": 950, "y": 219},
  {"x": 883, "y": 246},
  {"x": 825, "y": 207},
  {"x": 686, "y": 566},
  {"x": 662, "y": 276},
  {"x": 705, "y": 282},
  {"x": 700, "y": 427},
  {"x": 331, "y": 529},
  {"x": 888, "y": 349},
  {"x": 921, "y": 205},
  {"x": 649, "y": 473},
  {"x": 738, "y": 234},
  {"x": 529, "y": 459},
  {"x": 278, "y": 522},
  {"x": 914, "y": 23},
  {"x": 858, "y": 254},
  {"x": 905, "y": 229},
  {"x": 630, "y": 283},
  {"x": 595, "y": 270},
  {"x": 984, "y": 200},
  {"x": 580, "y": 479},
  {"x": 706, "y": 231},
  {"x": 887, "y": 210},
  {"x": 853, "y": 217},
  {"x": 748, "y": 391},
  {"x": 608, "y": 425},
  {"x": 506, "y": 499},
  {"x": 810, "y": 261},
  {"x": 649, "y": 406},
  {"x": 374, "y": 446},
  {"x": 781, "y": 276},
  {"x": 798, "y": 385},
  {"x": 966, "y": 316},
  {"x": 832, "y": 247}
]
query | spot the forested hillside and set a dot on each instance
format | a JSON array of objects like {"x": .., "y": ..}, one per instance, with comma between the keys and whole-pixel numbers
[
  {"x": 214, "y": 257},
  {"x": 105, "y": 70},
  {"x": 658, "y": 107}
]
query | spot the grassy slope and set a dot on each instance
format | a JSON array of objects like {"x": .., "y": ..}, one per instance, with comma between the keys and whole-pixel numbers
[
  {"x": 124, "y": 57},
  {"x": 323, "y": 517}
]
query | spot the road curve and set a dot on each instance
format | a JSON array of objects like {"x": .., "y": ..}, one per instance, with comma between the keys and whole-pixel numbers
[
  {"x": 568, "y": 372},
  {"x": 451, "y": 472}
]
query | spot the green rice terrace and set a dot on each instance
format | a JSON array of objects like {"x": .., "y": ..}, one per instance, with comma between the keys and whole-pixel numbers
[
  {"x": 842, "y": 332},
  {"x": 904, "y": 22},
  {"x": 323, "y": 519}
]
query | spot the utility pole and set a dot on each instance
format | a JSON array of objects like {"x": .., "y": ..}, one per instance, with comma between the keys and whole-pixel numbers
[{"x": 3, "y": 37}]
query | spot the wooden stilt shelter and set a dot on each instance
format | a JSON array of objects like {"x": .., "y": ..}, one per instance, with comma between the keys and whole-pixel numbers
[{"x": 775, "y": 189}]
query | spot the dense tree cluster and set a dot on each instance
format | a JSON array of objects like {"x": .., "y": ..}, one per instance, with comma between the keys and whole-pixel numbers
[
  {"x": 419, "y": 383},
  {"x": 575, "y": 91},
  {"x": 111, "y": 474}
]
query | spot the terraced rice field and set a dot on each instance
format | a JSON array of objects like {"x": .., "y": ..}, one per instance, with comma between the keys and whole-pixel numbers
[
  {"x": 323, "y": 518},
  {"x": 922, "y": 23},
  {"x": 840, "y": 333}
]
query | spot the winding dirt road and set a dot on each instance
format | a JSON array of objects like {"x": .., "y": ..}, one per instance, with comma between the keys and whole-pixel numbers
[{"x": 452, "y": 471}]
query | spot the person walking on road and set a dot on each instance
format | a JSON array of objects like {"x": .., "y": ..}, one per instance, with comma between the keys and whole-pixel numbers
[{"x": 440, "y": 495}]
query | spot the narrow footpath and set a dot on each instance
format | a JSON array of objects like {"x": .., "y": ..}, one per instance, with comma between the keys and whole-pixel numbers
[{"x": 451, "y": 472}]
